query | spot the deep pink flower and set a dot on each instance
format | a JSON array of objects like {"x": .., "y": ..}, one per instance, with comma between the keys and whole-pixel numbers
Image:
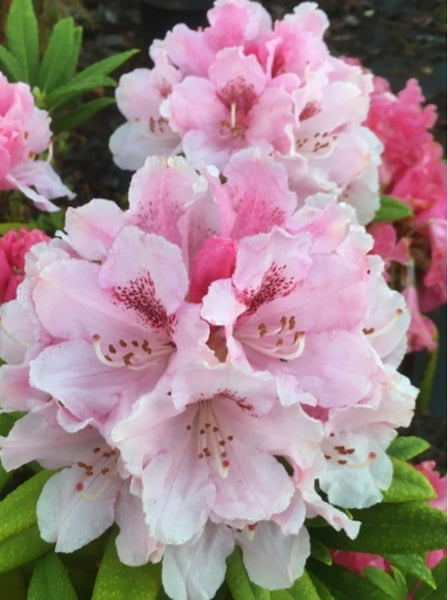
[
  {"x": 25, "y": 133},
  {"x": 13, "y": 247}
]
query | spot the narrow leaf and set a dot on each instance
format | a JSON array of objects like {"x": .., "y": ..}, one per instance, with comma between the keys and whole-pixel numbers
[
  {"x": 58, "y": 57},
  {"x": 22, "y": 36},
  {"x": 50, "y": 580},
  {"x": 426, "y": 382},
  {"x": 406, "y": 528},
  {"x": 414, "y": 564},
  {"x": 345, "y": 584},
  {"x": 238, "y": 581},
  {"x": 18, "y": 509},
  {"x": 392, "y": 209},
  {"x": 116, "y": 581},
  {"x": 381, "y": 580},
  {"x": 22, "y": 548},
  {"x": 106, "y": 65},
  {"x": 407, "y": 484},
  {"x": 76, "y": 49},
  {"x": 406, "y": 447},
  {"x": 80, "y": 114},
  {"x": 322, "y": 590},
  {"x": 401, "y": 583},
  {"x": 74, "y": 89},
  {"x": 10, "y": 66},
  {"x": 320, "y": 552},
  {"x": 304, "y": 588},
  {"x": 439, "y": 573}
]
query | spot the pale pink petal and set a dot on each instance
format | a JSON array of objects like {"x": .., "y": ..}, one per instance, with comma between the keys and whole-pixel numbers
[
  {"x": 274, "y": 560},
  {"x": 197, "y": 569},
  {"x": 73, "y": 518}
]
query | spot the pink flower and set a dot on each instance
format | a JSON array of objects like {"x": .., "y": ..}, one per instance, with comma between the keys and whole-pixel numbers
[
  {"x": 13, "y": 247},
  {"x": 25, "y": 133},
  {"x": 277, "y": 90},
  {"x": 412, "y": 170},
  {"x": 191, "y": 366}
]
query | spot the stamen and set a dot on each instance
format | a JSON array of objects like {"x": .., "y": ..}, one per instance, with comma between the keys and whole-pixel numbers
[
  {"x": 232, "y": 115},
  {"x": 129, "y": 359},
  {"x": 268, "y": 341},
  {"x": 210, "y": 442},
  {"x": 372, "y": 332}
]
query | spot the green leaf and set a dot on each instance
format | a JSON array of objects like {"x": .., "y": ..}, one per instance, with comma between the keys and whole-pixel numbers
[
  {"x": 427, "y": 379},
  {"x": 21, "y": 548},
  {"x": 12, "y": 586},
  {"x": 57, "y": 63},
  {"x": 400, "y": 582},
  {"x": 22, "y": 36},
  {"x": 116, "y": 581},
  {"x": 80, "y": 114},
  {"x": 406, "y": 528},
  {"x": 50, "y": 580},
  {"x": 414, "y": 564},
  {"x": 106, "y": 65},
  {"x": 10, "y": 65},
  {"x": 382, "y": 580},
  {"x": 406, "y": 447},
  {"x": 304, "y": 588},
  {"x": 18, "y": 509},
  {"x": 5, "y": 227},
  {"x": 439, "y": 573},
  {"x": 322, "y": 590},
  {"x": 391, "y": 209},
  {"x": 75, "y": 88},
  {"x": 76, "y": 49},
  {"x": 320, "y": 552},
  {"x": 344, "y": 584},
  {"x": 407, "y": 484},
  {"x": 238, "y": 581}
]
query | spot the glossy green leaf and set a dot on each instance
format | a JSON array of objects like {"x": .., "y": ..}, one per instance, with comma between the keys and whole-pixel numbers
[
  {"x": 391, "y": 209},
  {"x": 407, "y": 447},
  {"x": 10, "y": 66},
  {"x": 116, "y": 581},
  {"x": 414, "y": 564},
  {"x": 12, "y": 586},
  {"x": 18, "y": 509},
  {"x": 407, "y": 484},
  {"x": 50, "y": 580},
  {"x": 57, "y": 62},
  {"x": 383, "y": 581},
  {"x": 320, "y": 552},
  {"x": 238, "y": 581},
  {"x": 404, "y": 528},
  {"x": 22, "y": 548},
  {"x": 22, "y": 36},
  {"x": 345, "y": 585},
  {"x": 439, "y": 574},
  {"x": 304, "y": 588},
  {"x": 321, "y": 588},
  {"x": 73, "y": 118}
]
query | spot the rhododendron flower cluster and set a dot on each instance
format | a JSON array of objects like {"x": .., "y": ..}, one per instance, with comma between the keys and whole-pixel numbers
[
  {"x": 24, "y": 134},
  {"x": 199, "y": 365},
  {"x": 413, "y": 171},
  {"x": 261, "y": 85}
]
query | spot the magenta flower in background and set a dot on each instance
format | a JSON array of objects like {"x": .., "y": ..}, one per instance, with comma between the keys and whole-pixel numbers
[
  {"x": 13, "y": 247},
  {"x": 412, "y": 170},
  {"x": 24, "y": 134}
]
